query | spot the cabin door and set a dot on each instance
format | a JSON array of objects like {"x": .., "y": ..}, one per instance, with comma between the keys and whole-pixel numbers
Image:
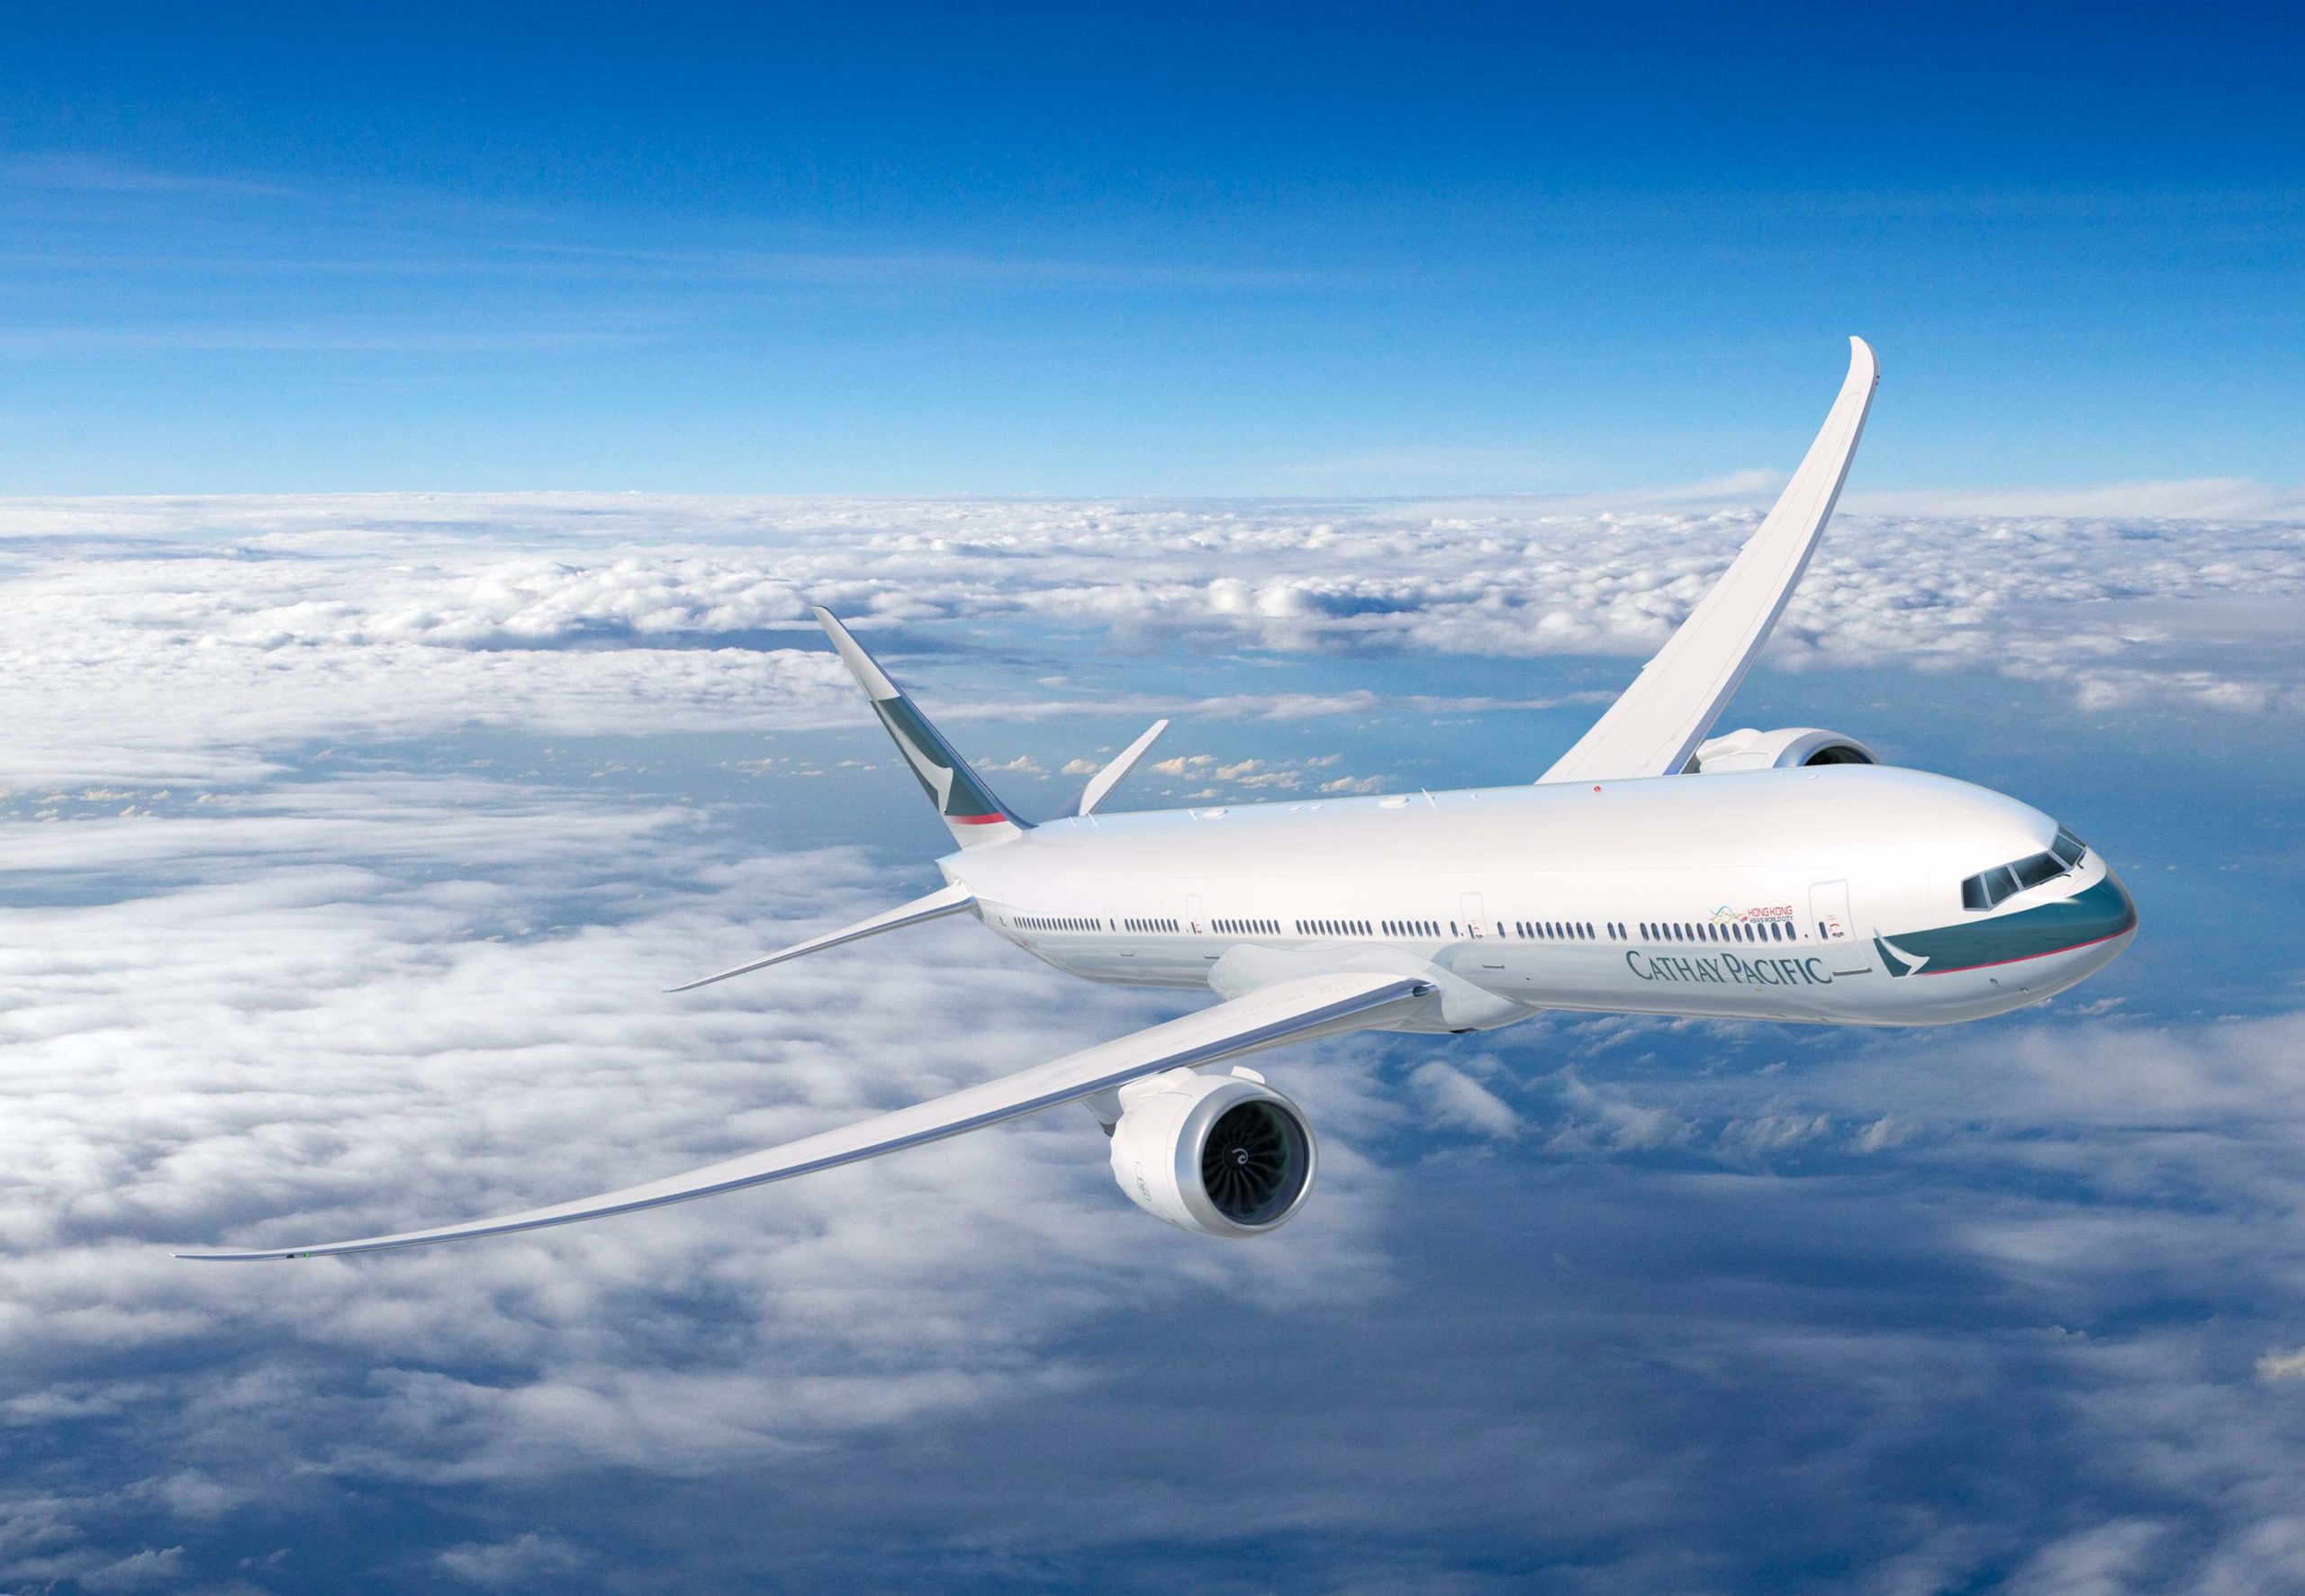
[
  {"x": 1192, "y": 913},
  {"x": 1829, "y": 915},
  {"x": 1469, "y": 906}
]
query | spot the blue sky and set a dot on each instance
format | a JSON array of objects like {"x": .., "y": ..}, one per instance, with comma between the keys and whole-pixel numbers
[
  {"x": 1307, "y": 250},
  {"x": 1366, "y": 390}
]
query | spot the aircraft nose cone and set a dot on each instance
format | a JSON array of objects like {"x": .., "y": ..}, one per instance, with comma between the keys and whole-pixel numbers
[
  {"x": 2129, "y": 906},
  {"x": 2115, "y": 913}
]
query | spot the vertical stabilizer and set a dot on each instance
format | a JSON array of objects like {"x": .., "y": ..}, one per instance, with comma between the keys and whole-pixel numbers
[{"x": 977, "y": 818}]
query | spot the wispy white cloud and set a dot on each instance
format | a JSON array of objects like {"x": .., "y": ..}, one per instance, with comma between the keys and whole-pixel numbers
[
  {"x": 2212, "y": 498},
  {"x": 1454, "y": 1100},
  {"x": 354, "y": 999},
  {"x": 522, "y": 1562},
  {"x": 2282, "y": 1366},
  {"x": 366, "y": 1004},
  {"x": 161, "y": 634},
  {"x": 81, "y": 172}
]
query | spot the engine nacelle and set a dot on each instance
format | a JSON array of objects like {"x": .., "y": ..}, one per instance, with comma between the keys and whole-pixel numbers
[
  {"x": 1217, "y": 1155},
  {"x": 1777, "y": 750}
]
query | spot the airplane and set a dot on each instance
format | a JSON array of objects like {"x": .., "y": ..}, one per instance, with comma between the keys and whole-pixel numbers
[{"x": 1655, "y": 868}]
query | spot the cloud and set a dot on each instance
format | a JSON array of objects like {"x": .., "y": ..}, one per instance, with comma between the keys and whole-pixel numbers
[
  {"x": 1991, "y": 1304},
  {"x": 366, "y": 1002},
  {"x": 1452, "y": 1099},
  {"x": 96, "y": 174},
  {"x": 2211, "y": 498},
  {"x": 170, "y": 637},
  {"x": 2282, "y": 1366},
  {"x": 1608, "y": 1116},
  {"x": 1269, "y": 776},
  {"x": 522, "y": 1562}
]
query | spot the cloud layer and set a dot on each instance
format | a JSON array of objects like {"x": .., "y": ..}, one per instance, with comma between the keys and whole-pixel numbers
[
  {"x": 1604, "y": 1304},
  {"x": 170, "y": 637}
]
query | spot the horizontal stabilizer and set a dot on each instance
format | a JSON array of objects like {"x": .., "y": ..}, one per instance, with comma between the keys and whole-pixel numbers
[{"x": 950, "y": 901}]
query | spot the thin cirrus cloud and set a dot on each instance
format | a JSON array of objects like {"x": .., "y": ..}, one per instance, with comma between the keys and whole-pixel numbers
[
  {"x": 177, "y": 226},
  {"x": 83, "y": 172},
  {"x": 346, "y": 336}
]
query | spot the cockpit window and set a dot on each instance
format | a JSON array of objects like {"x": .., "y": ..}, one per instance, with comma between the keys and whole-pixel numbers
[
  {"x": 2037, "y": 868},
  {"x": 1988, "y": 887}
]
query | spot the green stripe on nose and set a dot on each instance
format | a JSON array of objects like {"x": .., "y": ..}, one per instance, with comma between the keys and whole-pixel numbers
[{"x": 2097, "y": 914}]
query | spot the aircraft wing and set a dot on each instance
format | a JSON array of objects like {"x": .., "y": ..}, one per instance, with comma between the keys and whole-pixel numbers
[
  {"x": 1653, "y": 728},
  {"x": 1100, "y": 785},
  {"x": 946, "y": 900},
  {"x": 1285, "y": 1011}
]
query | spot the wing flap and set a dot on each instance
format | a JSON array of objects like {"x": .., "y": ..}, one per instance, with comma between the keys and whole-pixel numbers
[
  {"x": 1657, "y": 723},
  {"x": 1284, "y": 1012}
]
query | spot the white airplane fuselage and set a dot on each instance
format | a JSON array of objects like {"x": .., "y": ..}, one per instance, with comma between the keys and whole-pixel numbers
[{"x": 1829, "y": 895}]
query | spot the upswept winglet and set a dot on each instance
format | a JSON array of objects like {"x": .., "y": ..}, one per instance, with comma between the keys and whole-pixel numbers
[
  {"x": 1100, "y": 785},
  {"x": 1657, "y": 723},
  {"x": 975, "y": 817},
  {"x": 1286, "y": 1011}
]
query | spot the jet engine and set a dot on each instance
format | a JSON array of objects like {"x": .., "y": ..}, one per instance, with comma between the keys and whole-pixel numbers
[
  {"x": 1217, "y": 1155},
  {"x": 1777, "y": 750}
]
